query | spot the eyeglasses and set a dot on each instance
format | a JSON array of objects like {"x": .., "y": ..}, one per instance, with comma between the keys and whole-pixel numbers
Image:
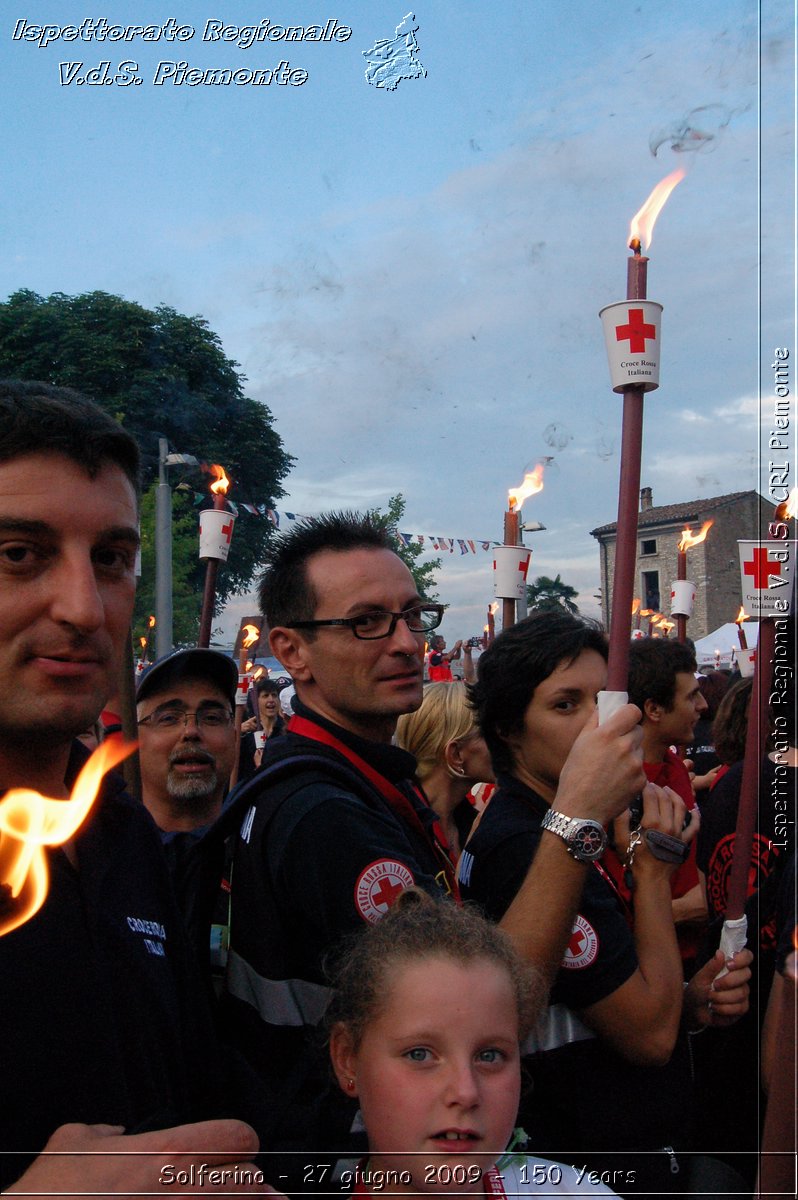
[
  {"x": 171, "y": 718},
  {"x": 373, "y": 625}
]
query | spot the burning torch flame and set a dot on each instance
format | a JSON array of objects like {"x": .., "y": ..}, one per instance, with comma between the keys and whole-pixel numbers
[
  {"x": 533, "y": 483},
  {"x": 788, "y": 509},
  {"x": 636, "y": 606},
  {"x": 143, "y": 643},
  {"x": 30, "y": 821},
  {"x": 222, "y": 482},
  {"x": 494, "y": 607},
  {"x": 151, "y": 623},
  {"x": 642, "y": 225},
  {"x": 256, "y": 674},
  {"x": 251, "y": 635},
  {"x": 646, "y": 612},
  {"x": 693, "y": 539},
  {"x": 742, "y": 616}
]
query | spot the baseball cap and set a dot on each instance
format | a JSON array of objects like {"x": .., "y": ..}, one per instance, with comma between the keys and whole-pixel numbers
[{"x": 194, "y": 662}]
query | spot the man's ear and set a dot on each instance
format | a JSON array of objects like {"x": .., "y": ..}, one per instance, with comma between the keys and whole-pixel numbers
[
  {"x": 652, "y": 711},
  {"x": 289, "y": 647},
  {"x": 344, "y": 1059}
]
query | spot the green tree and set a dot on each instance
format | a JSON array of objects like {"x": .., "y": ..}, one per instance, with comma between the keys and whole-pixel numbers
[
  {"x": 548, "y": 594},
  {"x": 163, "y": 375},
  {"x": 423, "y": 573}
]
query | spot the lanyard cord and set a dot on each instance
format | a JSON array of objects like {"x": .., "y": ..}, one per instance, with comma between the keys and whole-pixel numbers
[{"x": 389, "y": 792}]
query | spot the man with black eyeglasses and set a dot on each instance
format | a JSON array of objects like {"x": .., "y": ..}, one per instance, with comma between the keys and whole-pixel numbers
[{"x": 334, "y": 827}]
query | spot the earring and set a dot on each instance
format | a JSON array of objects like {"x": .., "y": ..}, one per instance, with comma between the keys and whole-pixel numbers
[{"x": 350, "y": 1083}]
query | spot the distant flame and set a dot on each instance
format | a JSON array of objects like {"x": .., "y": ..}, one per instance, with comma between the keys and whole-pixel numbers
[
  {"x": 151, "y": 623},
  {"x": 788, "y": 509},
  {"x": 742, "y": 616},
  {"x": 494, "y": 607},
  {"x": 533, "y": 483},
  {"x": 222, "y": 482},
  {"x": 30, "y": 821},
  {"x": 485, "y": 629},
  {"x": 256, "y": 674},
  {"x": 143, "y": 643},
  {"x": 690, "y": 539},
  {"x": 642, "y": 225},
  {"x": 635, "y": 606},
  {"x": 252, "y": 633},
  {"x": 248, "y": 665},
  {"x": 646, "y": 612}
]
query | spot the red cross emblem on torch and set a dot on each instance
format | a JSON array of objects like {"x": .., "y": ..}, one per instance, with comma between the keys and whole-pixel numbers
[
  {"x": 636, "y": 331},
  {"x": 760, "y": 568}
]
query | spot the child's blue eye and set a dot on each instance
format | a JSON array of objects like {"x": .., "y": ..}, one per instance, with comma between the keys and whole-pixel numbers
[
  {"x": 491, "y": 1055},
  {"x": 417, "y": 1054}
]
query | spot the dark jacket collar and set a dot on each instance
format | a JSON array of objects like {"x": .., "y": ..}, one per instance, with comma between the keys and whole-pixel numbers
[{"x": 392, "y": 762}]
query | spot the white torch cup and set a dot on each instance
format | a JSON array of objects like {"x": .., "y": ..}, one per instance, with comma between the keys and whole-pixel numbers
[
  {"x": 682, "y": 598},
  {"x": 745, "y": 660},
  {"x": 631, "y": 334},
  {"x": 244, "y": 684},
  {"x": 510, "y": 565},
  {"x": 215, "y": 533}
]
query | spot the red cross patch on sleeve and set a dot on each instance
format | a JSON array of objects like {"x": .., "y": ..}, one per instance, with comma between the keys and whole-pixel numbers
[
  {"x": 583, "y": 946},
  {"x": 379, "y": 885}
]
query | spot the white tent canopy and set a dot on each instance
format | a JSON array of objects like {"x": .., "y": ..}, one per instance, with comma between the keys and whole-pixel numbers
[{"x": 724, "y": 639}]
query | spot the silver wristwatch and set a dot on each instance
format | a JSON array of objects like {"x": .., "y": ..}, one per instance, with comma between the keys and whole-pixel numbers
[{"x": 585, "y": 840}]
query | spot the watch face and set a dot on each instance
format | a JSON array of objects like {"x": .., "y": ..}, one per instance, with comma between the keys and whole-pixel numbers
[{"x": 589, "y": 840}]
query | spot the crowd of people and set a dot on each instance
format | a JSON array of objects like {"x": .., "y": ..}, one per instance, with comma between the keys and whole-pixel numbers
[{"x": 344, "y": 976}]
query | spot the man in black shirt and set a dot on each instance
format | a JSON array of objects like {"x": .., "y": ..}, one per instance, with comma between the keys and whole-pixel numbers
[
  {"x": 105, "y": 1033},
  {"x": 336, "y": 827}
]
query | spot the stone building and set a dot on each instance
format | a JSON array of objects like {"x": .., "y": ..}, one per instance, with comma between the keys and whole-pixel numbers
[{"x": 713, "y": 565}]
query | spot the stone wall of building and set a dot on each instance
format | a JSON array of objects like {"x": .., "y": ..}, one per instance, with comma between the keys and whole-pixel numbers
[{"x": 713, "y": 565}]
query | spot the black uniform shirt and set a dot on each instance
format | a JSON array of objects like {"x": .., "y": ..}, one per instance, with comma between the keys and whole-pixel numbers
[{"x": 103, "y": 1014}]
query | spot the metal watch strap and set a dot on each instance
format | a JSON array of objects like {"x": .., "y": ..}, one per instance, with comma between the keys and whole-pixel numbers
[{"x": 557, "y": 822}]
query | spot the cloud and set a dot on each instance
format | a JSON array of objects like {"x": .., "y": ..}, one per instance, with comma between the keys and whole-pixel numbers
[
  {"x": 744, "y": 406},
  {"x": 692, "y": 417}
]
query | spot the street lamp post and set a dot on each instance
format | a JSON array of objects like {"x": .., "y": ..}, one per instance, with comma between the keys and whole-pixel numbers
[{"x": 163, "y": 546}]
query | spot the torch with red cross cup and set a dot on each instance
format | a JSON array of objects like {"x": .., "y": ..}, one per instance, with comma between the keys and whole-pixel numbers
[
  {"x": 632, "y": 337},
  {"x": 767, "y": 574},
  {"x": 511, "y": 559},
  {"x": 215, "y": 536}
]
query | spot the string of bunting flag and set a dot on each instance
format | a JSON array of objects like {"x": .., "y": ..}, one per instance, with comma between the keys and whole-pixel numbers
[{"x": 432, "y": 544}]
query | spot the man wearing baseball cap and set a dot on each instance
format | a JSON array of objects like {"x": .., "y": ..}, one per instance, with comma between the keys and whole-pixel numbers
[{"x": 187, "y": 738}]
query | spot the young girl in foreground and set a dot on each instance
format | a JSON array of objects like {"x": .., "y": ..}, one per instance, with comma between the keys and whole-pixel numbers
[{"x": 430, "y": 1008}]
